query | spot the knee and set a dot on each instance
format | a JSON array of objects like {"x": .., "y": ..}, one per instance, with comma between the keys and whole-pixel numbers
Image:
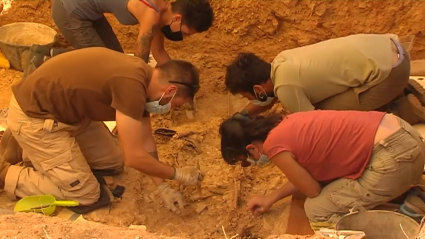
[
  {"x": 310, "y": 208},
  {"x": 87, "y": 194},
  {"x": 315, "y": 210},
  {"x": 119, "y": 167},
  {"x": 10, "y": 148}
]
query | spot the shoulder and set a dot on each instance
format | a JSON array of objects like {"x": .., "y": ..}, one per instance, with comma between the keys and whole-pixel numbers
[
  {"x": 275, "y": 148},
  {"x": 142, "y": 12},
  {"x": 276, "y": 138},
  {"x": 134, "y": 76},
  {"x": 284, "y": 71}
]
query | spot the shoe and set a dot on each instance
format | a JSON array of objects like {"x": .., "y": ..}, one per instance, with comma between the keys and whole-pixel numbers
[
  {"x": 36, "y": 59},
  {"x": 417, "y": 89},
  {"x": 105, "y": 199},
  {"x": 416, "y": 106},
  {"x": 30, "y": 62},
  {"x": 413, "y": 206},
  {"x": 40, "y": 49}
]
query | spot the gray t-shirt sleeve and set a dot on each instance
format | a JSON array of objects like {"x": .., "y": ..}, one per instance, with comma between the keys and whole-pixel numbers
[{"x": 293, "y": 98}]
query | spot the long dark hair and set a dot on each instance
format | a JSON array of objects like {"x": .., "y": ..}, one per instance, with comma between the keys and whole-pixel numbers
[{"x": 237, "y": 132}]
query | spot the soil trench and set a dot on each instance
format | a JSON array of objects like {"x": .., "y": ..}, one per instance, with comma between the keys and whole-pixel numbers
[{"x": 262, "y": 27}]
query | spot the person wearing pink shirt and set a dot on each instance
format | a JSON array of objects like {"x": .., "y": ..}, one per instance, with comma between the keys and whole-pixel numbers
[{"x": 338, "y": 159}]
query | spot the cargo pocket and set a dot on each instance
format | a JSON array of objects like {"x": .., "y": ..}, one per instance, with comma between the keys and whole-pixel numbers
[
  {"x": 64, "y": 171},
  {"x": 369, "y": 199},
  {"x": 356, "y": 195},
  {"x": 343, "y": 196},
  {"x": 405, "y": 154}
]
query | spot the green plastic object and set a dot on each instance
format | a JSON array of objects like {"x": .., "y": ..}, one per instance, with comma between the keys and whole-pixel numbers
[{"x": 45, "y": 204}]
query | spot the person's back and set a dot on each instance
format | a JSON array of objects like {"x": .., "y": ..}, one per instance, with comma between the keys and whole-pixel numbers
[
  {"x": 329, "y": 144},
  {"x": 94, "y": 9},
  {"x": 85, "y": 84},
  {"x": 330, "y": 67}
]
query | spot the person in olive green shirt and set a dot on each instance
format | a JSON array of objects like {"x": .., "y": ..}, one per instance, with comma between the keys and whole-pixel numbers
[{"x": 359, "y": 72}]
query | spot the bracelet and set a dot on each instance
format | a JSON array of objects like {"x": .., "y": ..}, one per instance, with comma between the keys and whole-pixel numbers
[{"x": 174, "y": 174}]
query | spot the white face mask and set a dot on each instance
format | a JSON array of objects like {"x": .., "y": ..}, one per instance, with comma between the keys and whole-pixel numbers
[
  {"x": 263, "y": 160},
  {"x": 155, "y": 108},
  {"x": 265, "y": 103},
  {"x": 263, "y": 94}
]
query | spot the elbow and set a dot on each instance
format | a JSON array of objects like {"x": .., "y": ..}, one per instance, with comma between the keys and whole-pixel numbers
[
  {"x": 157, "y": 51},
  {"x": 314, "y": 193},
  {"x": 129, "y": 161}
]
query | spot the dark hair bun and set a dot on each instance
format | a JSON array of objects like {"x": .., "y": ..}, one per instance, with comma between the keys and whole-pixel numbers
[{"x": 245, "y": 59}]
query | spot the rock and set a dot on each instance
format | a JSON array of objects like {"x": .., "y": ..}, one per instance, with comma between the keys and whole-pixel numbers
[
  {"x": 215, "y": 189},
  {"x": 138, "y": 227},
  {"x": 140, "y": 219},
  {"x": 200, "y": 208}
]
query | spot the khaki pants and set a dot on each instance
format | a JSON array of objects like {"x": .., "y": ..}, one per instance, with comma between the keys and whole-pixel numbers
[
  {"x": 396, "y": 166},
  {"x": 62, "y": 157},
  {"x": 376, "y": 97}
]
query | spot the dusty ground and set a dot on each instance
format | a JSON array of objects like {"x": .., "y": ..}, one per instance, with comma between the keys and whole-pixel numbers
[
  {"x": 263, "y": 27},
  {"x": 32, "y": 226}
]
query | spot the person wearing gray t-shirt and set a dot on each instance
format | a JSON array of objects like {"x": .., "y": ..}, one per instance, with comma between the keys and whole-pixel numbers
[{"x": 83, "y": 24}]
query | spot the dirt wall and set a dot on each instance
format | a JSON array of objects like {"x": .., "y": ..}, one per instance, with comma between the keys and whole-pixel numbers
[{"x": 267, "y": 27}]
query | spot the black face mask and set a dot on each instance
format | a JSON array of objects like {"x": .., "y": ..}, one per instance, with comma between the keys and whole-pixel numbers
[{"x": 170, "y": 35}]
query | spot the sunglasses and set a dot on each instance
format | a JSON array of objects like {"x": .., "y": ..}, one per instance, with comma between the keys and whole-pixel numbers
[{"x": 233, "y": 156}]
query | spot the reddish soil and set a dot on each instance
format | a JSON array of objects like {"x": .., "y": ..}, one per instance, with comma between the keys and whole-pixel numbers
[{"x": 263, "y": 27}]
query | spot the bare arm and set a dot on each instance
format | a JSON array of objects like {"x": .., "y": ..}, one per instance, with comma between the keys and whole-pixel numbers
[
  {"x": 294, "y": 99},
  {"x": 285, "y": 191},
  {"x": 149, "y": 145},
  {"x": 254, "y": 110},
  {"x": 144, "y": 43},
  {"x": 259, "y": 203},
  {"x": 135, "y": 154},
  {"x": 296, "y": 174},
  {"x": 158, "y": 49}
]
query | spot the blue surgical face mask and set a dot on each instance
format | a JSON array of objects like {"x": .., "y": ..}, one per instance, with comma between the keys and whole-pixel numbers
[
  {"x": 262, "y": 99},
  {"x": 263, "y": 160},
  {"x": 260, "y": 103},
  {"x": 155, "y": 108}
]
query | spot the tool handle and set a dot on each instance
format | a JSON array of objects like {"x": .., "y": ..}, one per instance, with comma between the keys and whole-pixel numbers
[{"x": 67, "y": 203}]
